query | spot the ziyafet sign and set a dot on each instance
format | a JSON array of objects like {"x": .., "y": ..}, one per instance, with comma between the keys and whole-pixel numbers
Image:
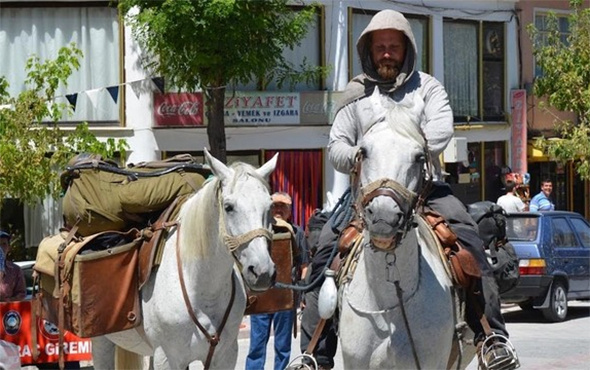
[
  {"x": 261, "y": 108},
  {"x": 16, "y": 328}
]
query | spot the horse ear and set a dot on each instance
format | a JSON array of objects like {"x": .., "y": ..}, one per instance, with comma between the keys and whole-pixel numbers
[
  {"x": 219, "y": 169},
  {"x": 268, "y": 167}
]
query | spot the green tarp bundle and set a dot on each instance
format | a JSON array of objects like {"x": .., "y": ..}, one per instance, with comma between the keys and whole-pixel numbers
[{"x": 101, "y": 196}]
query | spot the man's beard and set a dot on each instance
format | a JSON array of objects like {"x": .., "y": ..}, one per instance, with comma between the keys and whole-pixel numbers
[{"x": 388, "y": 72}]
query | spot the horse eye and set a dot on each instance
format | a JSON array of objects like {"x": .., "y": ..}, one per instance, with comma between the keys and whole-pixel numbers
[{"x": 228, "y": 207}]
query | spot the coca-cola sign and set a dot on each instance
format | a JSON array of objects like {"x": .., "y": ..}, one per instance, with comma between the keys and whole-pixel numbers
[{"x": 178, "y": 109}]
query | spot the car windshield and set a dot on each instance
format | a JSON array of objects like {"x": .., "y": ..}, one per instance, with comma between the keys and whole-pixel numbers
[{"x": 522, "y": 228}]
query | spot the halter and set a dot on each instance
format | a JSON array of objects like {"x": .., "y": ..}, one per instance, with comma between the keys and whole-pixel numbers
[{"x": 234, "y": 242}]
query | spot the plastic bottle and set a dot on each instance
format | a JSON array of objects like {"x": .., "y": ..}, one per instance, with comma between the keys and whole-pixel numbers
[{"x": 328, "y": 296}]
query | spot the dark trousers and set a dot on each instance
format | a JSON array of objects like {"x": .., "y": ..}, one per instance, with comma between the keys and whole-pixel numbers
[
  {"x": 325, "y": 349},
  {"x": 453, "y": 210}
]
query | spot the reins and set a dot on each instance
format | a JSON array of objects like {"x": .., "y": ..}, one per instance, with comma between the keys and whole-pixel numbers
[{"x": 212, "y": 339}]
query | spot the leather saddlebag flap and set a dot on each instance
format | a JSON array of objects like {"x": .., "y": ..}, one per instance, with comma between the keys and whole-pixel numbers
[
  {"x": 100, "y": 278},
  {"x": 275, "y": 299}
]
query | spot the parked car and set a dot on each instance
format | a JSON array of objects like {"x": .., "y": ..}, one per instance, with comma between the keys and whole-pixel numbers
[{"x": 554, "y": 261}]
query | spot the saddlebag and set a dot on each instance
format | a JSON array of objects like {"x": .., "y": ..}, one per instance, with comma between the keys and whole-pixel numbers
[
  {"x": 283, "y": 255},
  {"x": 89, "y": 286}
]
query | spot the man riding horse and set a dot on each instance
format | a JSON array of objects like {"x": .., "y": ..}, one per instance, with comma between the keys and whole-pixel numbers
[{"x": 388, "y": 55}]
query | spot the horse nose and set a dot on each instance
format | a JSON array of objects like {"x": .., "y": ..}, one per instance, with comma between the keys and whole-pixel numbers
[
  {"x": 383, "y": 209},
  {"x": 261, "y": 279}
]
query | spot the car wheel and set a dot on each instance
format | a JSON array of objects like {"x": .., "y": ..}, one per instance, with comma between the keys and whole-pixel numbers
[{"x": 557, "y": 310}]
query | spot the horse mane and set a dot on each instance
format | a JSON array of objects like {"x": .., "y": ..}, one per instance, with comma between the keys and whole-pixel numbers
[{"x": 200, "y": 212}]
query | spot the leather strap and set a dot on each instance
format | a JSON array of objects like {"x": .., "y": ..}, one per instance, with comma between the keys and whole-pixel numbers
[
  {"x": 212, "y": 339},
  {"x": 478, "y": 310},
  {"x": 315, "y": 337}
]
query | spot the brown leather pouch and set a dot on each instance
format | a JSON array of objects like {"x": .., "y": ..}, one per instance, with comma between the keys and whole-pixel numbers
[
  {"x": 465, "y": 268},
  {"x": 440, "y": 227},
  {"x": 348, "y": 236}
]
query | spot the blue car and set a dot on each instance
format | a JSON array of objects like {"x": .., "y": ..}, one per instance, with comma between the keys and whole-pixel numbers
[{"x": 554, "y": 261}]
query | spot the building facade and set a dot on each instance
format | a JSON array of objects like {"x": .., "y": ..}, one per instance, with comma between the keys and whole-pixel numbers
[{"x": 475, "y": 48}]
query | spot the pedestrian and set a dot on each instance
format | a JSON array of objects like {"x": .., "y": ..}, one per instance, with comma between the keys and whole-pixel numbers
[
  {"x": 12, "y": 286},
  {"x": 388, "y": 55},
  {"x": 510, "y": 201},
  {"x": 542, "y": 201},
  {"x": 282, "y": 321}
]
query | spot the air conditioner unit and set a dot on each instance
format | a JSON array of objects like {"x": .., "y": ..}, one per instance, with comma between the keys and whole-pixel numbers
[{"x": 456, "y": 151}]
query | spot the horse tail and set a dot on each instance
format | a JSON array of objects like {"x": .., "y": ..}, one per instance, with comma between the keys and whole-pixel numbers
[{"x": 127, "y": 360}]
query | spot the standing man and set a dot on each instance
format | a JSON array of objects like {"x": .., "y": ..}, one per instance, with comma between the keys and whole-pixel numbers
[
  {"x": 510, "y": 201},
  {"x": 13, "y": 285},
  {"x": 541, "y": 201},
  {"x": 282, "y": 321},
  {"x": 387, "y": 51}
]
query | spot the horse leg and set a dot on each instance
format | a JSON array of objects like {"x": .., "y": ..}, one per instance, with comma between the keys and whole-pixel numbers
[
  {"x": 160, "y": 361},
  {"x": 103, "y": 353}
]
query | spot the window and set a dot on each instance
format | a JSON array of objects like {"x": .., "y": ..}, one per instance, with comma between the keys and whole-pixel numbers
[
  {"x": 309, "y": 50},
  {"x": 543, "y": 25},
  {"x": 44, "y": 30},
  {"x": 474, "y": 69},
  {"x": 495, "y": 155},
  {"x": 562, "y": 233},
  {"x": 361, "y": 18},
  {"x": 583, "y": 231}
]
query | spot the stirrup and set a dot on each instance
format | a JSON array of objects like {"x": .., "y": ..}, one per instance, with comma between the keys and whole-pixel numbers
[
  {"x": 497, "y": 353},
  {"x": 298, "y": 364}
]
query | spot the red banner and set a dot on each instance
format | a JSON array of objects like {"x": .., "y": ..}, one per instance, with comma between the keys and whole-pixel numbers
[
  {"x": 16, "y": 328},
  {"x": 178, "y": 109},
  {"x": 519, "y": 134}
]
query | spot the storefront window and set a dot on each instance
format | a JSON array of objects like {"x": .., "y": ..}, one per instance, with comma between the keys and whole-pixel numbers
[
  {"x": 495, "y": 157},
  {"x": 472, "y": 182}
]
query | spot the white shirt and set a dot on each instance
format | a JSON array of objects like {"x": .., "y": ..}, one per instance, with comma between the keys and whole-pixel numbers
[{"x": 511, "y": 203}]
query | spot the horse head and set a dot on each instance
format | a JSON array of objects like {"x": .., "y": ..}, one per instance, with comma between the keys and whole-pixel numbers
[
  {"x": 390, "y": 168},
  {"x": 244, "y": 202}
]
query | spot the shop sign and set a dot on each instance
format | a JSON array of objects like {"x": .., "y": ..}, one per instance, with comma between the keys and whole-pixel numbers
[
  {"x": 178, "y": 109},
  {"x": 16, "y": 328},
  {"x": 261, "y": 108},
  {"x": 519, "y": 135}
]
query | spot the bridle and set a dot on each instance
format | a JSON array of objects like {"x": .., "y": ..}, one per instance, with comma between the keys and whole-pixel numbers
[{"x": 407, "y": 200}]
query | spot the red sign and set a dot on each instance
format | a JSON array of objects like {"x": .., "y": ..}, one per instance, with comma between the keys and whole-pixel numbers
[
  {"x": 16, "y": 328},
  {"x": 519, "y": 135},
  {"x": 178, "y": 109}
]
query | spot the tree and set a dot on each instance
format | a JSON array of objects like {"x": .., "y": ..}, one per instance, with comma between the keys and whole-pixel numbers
[
  {"x": 565, "y": 83},
  {"x": 33, "y": 148},
  {"x": 210, "y": 44}
]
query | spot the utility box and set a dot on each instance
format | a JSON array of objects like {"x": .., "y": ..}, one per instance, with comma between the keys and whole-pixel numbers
[{"x": 456, "y": 151}]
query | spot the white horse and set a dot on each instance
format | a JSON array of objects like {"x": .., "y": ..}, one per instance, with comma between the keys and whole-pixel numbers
[
  {"x": 225, "y": 224},
  {"x": 397, "y": 310}
]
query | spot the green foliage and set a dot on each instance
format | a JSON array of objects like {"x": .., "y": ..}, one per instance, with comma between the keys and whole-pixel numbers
[
  {"x": 566, "y": 85},
  {"x": 33, "y": 148},
  {"x": 211, "y": 44}
]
